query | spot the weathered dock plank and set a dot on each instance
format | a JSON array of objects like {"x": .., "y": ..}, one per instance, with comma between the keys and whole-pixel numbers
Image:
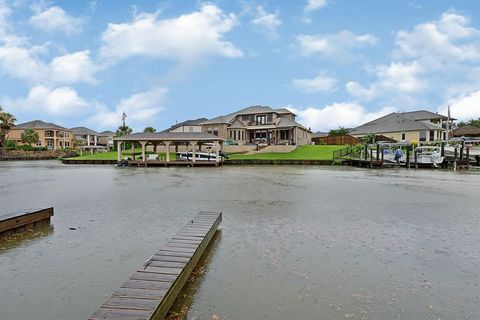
[
  {"x": 151, "y": 291},
  {"x": 16, "y": 222}
]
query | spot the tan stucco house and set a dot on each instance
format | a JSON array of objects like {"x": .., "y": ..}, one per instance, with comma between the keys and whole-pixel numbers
[
  {"x": 50, "y": 135},
  {"x": 421, "y": 126},
  {"x": 259, "y": 124}
]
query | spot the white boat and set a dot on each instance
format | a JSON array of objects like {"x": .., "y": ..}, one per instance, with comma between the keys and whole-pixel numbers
[
  {"x": 426, "y": 155},
  {"x": 473, "y": 145},
  {"x": 199, "y": 156}
]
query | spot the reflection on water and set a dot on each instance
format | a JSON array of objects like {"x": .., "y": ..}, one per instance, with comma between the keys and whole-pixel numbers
[
  {"x": 25, "y": 238},
  {"x": 297, "y": 242}
]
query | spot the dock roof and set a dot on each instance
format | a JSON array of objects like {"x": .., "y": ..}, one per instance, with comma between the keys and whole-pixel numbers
[{"x": 170, "y": 136}]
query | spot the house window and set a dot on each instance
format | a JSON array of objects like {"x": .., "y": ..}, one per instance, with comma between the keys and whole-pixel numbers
[
  {"x": 243, "y": 135},
  {"x": 403, "y": 136},
  {"x": 432, "y": 135},
  {"x": 423, "y": 135},
  {"x": 260, "y": 135},
  {"x": 67, "y": 144},
  {"x": 261, "y": 119},
  {"x": 39, "y": 143},
  {"x": 283, "y": 134},
  {"x": 235, "y": 135},
  {"x": 269, "y": 118}
]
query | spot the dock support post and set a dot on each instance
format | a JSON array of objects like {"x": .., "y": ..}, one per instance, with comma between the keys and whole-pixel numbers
[
  {"x": 407, "y": 159},
  {"x": 217, "y": 151},
  {"x": 442, "y": 150},
  {"x": 132, "y": 149},
  {"x": 366, "y": 152},
  {"x": 381, "y": 150},
  {"x": 378, "y": 152},
  {"x": 415, "y": 156},
  {"x": 468, "y": 155},
  {"x": 119, "y": 151},
  {"x": 194, "y": 143},
  {"x": 455, "y": 155},
  {"x": 143, "y": 143},
  {"x": 167, "y": 151}
]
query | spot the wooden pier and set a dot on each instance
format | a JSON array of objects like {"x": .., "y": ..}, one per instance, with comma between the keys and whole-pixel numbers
[
  {"x": 156, "y": 163},
  {"x": 17, "y": 222},
  {"x": 151, "y": 291}
]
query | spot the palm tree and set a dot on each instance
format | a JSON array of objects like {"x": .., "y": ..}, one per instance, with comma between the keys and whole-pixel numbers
[
  {"x": 7, "y": 121},
  {"x": 30, "y": 136}
]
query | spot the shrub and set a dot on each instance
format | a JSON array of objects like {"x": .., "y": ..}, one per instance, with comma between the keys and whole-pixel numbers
[
  {"x": 10, "y": 145},
  {"x": 26, "y": 147}
]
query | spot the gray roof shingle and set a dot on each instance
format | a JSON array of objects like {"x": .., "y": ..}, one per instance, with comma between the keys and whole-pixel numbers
[
  {"x": 84, "y": 131},
  {"x": 424, "y": 115},
  {"x": 39, "y": 124},
  {"x": 393, "y": 122}
]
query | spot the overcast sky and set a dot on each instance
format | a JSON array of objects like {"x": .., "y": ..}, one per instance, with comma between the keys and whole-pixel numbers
[{"x": 333, "y": 62}]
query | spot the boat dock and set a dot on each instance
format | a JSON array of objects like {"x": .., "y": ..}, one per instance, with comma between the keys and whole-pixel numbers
[
  {"x": 151, "y": 291},
  {"x": 18, "y": 222}
]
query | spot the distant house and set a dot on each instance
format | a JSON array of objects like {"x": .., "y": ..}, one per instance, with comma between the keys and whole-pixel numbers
[
  {"x": 85, "y": 136},
  {"x": 50, "y": 135},
  {"x": 105, "y": 138},
  {"x": 188, "y": 126},
  {"x": 259, "y": 124},
  {"x": 407, "y": 126},
  {"x": 317, "y": 137}
]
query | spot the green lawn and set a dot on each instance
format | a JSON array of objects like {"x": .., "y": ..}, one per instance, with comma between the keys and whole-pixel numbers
[
  {"x": 307, "y": 152},
  {"x": 112, "y": 155}
]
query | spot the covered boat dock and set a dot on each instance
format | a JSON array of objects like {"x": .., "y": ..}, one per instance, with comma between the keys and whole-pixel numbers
[{"x": 191, "y": 140}]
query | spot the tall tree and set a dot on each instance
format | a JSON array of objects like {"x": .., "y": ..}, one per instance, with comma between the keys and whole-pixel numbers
[
  {"x": 7, "y": 121},
  {"x": 472, "y": 122},
  {"x": 30, "y": 136},
  {"x": 341, "y": 131},
  {"x": 149, "y": 130},
  {"x": 123, "y": 131}
]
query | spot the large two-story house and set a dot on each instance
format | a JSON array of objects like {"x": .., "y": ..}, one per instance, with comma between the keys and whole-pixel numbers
[
  {"x": 259, "y": 124},
  {"x": 50, "y": 135},
  {"x": 419, "y": 126}
]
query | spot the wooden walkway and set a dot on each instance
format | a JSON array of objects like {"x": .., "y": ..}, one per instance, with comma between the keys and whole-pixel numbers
[
  {"x": 151, "y": 291},
  {"x": 17, "y": 222}
]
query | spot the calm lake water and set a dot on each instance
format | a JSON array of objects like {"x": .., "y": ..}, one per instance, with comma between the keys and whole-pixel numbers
[{"x": 296, "y": 242}]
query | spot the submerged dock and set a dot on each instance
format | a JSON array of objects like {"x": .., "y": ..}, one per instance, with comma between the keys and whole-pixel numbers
[
  {"x": 151, "y": 291},
  {"x": 18, "y": 222}
]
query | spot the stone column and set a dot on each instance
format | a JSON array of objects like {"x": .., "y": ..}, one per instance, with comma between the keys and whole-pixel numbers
[
  {"x": 133, "y": 150},
  {"x": 95, "y": 140},
  {"x": 167, "y": 151},
  {"x": 119, "y": 151},
  {"x": 88, "y": 140},
  {"x": 143, "y": 143}
]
